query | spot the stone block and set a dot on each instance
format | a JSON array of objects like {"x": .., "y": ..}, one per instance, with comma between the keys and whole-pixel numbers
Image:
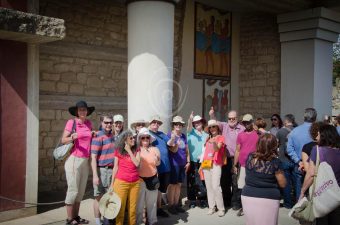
[
  {"x": 50, "y": 76},
  {"x": 266, "y": 59},
  {"x": 46, "y": 114},
  {"x": 62, "y": 87},
  {"x": 48, "y": 86},
  {"x": 44, "y": 125},
  {"x": 48, "y": 142},
  {"x": 58, "y": 125},
  {"x": 45, "y": 65},
  {"x": 94, "y": 82},
  {"x": 90, "y": 69},
  {"x": 268, "y": 91},
  {"x": 67, "y": 59},
  {"x": 259, "y": 69},
  {"x": 82, "y": 61},
  {"x": 82, "y": 78},
  {"x": 259, "y": 83},
  {"x": 95, "y": 92},
  {"x": 76, "y": 89},
  {"x": 65, "y": 115},
  {"x": 68, "y": 77},
  {"x": 104, "y": 71},
  {"x": 108, "y": 83},
  {"x": 273, "y": 68}
]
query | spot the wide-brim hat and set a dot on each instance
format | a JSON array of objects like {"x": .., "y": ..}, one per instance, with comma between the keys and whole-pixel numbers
[
  {"x": 145, "y": 132},
  {"x": 213, "y": 123},
  {"x": 81, "y": 104},
  {"x": 156, "y": 118},
  {"x": 109, "y": 205},
  {"x": 134, "y": 123},
  {"x": 198, "y": 118},
  {"x": 247, "y": 118},
  {"x": 178, "y": 119}
]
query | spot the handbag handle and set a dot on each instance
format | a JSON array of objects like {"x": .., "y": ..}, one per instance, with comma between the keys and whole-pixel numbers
[
  {"x": 317, "y": 163},
  {"x": 73, "y": 131}
]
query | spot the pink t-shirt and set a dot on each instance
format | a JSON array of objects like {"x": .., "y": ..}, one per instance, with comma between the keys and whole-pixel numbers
[
  {"x": 127, "y": 171},
  {"x": 82, "y": 145},
  {"x": 210, "y": 153},
  {"x": 247, "y": 142}
]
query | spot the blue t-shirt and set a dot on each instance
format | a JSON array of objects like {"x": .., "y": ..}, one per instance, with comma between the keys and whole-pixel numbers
[
  {"x": 161, "y": 144},
  {"x": 260, "y": 178},
  {"x": 179, "y": 158},
  {"x": 195, "y": 144}
]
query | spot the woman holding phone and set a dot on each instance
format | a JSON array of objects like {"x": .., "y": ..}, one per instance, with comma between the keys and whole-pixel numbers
[{"x": 125, "y": 177}]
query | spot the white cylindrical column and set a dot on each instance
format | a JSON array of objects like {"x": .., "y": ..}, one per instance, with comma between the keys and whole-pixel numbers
[{"x": 150, "y": 60}]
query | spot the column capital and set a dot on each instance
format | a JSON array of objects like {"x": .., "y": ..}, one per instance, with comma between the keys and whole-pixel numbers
[
  {"x": 168, "y": 1},
  {"x": 317, "y": 23}
]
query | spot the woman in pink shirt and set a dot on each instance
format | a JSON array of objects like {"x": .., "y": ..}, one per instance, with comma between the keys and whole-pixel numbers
[
  {"x": 245, "y": 144},
  {"x": 214, "y": 151},
  {"x": 125, "y": 177},
  {"x": 148, "y": 193},
  {"x": 78, "y": 130}
]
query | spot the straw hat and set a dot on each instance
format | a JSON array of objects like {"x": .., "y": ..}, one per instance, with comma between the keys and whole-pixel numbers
[
  {"x": 134, "y": 123},
  {"x": 81, "y": 104},
  {"x": 145, "y": 132},
  {"x": 247, "y": 118},
  {"x": 109, "y": 205},
  {"x": 198, "y": 118},
  {"x": 213, "y": 123},
  {"x": 156, "y": 118},
  {"x": 178, "y": 119}
]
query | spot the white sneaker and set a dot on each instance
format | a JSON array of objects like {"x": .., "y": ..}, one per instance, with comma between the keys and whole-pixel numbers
[
  {"x": 220, "y": 213},
  {"x": 211, "y": 211}
]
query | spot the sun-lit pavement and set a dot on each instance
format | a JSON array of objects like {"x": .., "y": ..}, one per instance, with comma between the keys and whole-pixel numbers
[{"x": 194, "y": 216}]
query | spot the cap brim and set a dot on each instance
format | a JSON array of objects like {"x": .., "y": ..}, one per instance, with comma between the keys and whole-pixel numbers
[{"x": 156, "y": 120}]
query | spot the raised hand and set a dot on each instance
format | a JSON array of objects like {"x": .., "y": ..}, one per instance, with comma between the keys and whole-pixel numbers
[
  {"x": 191, "y": 117},
  {"x": 211, "y": 112}
]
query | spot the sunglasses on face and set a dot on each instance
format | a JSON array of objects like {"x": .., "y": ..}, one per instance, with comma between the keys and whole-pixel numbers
[
  {"x": 177, "y": 124},
  {"x": 131, "y": 138},
  {"x": 140, "y": 125},
  {"x": 273, "y": 119},
  {"x": 145, "y": 138},
  {"x": 108, "y": 122},
  {"x": 232, "y": 118},
  {"x": 213, "y": 127},
  {"x": 157, "y": 122}
]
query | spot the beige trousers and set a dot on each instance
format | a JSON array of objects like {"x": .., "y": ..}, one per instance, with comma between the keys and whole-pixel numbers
[{"x": 212, "y": 179}]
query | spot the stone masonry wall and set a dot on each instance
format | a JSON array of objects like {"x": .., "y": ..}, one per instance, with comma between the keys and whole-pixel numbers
[
  {"x": 259, "y": 65},
  {"x": 90, "y": 64}
]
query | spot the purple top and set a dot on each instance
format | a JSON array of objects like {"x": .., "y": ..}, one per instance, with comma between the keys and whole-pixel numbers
[
  {"x": 179, "y": 158},
  {"x": 230, "y": 136},
  {"x": 329, "y": 155}
]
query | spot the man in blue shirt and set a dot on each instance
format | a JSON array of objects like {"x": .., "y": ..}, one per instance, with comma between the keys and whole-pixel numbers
[
  {"x": 163, "y": 169},
  {"x": 296, "y": 140}
]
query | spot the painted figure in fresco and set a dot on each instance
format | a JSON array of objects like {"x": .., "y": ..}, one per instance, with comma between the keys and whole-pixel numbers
[
  {"x": 225, "y": 43},
  {"x": 208, "y": 53}
]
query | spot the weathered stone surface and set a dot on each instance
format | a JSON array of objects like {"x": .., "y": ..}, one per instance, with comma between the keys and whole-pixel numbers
[
  {"x": 259, "y": 65},
  {"x": 27, "y": 27}
]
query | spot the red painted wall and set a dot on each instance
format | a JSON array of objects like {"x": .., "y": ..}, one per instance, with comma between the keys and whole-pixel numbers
[{"x": 13, "y": 96}]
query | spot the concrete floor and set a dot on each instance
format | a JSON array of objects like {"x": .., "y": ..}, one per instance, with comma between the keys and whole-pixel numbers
[{"x": 194, "y": 216}]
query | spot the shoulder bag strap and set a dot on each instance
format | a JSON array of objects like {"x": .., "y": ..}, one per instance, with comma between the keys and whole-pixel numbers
[{"x": 315, "y": 171}]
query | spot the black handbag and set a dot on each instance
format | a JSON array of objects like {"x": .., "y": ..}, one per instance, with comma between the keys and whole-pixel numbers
[{"x": 151, "y": 183}]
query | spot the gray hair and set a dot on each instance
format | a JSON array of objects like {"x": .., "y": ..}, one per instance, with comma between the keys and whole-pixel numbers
[
  {"x": 121, "y": 140},
  {"x": 310, "y": 115},
  {"x": 291, "y": 118},
  {"x": 103, "y": 116}
]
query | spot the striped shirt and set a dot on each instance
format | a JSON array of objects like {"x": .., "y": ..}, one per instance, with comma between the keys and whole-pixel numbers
[{"x": 103, "y": 147}]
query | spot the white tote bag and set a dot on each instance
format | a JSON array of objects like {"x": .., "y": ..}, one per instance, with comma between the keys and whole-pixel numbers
[{"x": 327, "y": 191}]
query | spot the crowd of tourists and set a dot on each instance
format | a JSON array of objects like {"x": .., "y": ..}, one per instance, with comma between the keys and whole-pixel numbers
[{"x": 240, "y": 165}]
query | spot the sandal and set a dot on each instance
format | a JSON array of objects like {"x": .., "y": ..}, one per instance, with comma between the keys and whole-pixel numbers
[
  {"x": 81, "y": 220},
  {"x": 71, "y": 222}
]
